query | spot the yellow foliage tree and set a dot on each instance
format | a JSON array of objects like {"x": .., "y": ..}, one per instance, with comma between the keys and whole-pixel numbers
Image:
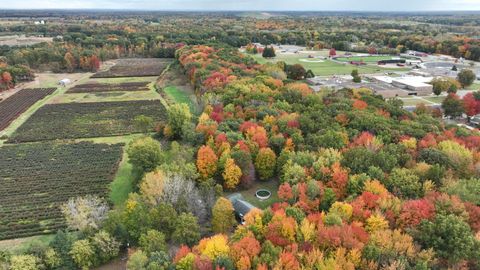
[
  {"x": 343, "y": 210},
  {"x": 244, "y": 263},
  {"x": 231, "y": 174},
  {"x": 214, "y": 246},
  {"x": 151, "y": 187},
  {"x": 223, "y": 217},
  {"x": 376, "y": 222},
  {"x": 307, "y": 229},
  {"x": 375, "y": 187}
]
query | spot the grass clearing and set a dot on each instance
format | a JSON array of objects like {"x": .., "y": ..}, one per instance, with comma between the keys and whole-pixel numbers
[
  {"x": 413, "y": 101},
  {"x": 271, "y": 185},
  {"x": 438, "y": 99},
  {"x": 366, "y": 59},
  {"x": 474, "y": 86},
  {"x": 21, "y": 245},
  {"x": 325, "y": 68},
  {"x": 179, "y": 96}
]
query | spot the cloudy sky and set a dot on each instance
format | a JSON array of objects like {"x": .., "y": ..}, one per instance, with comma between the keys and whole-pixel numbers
[{"x": 279, "y": 5}]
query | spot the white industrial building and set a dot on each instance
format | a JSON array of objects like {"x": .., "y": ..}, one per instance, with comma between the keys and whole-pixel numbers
[
  {"x": 414, "y": 85},
  {"x": 417, "y": 84}
]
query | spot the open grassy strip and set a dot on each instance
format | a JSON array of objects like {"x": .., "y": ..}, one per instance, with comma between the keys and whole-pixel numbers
[
  {"x": 85, "y": 120},
  {"x": 178, "y": 96},
  {"x": 36, "y": 178},
  {"x": 23, "y": 245},
  {"x": 18, "y": 103},
  {"x": 438, "y": 99},
  {"x": 366, "y": 59},
  {"x": 326, "y": 67},
  {"x": 413, "y": 101},
  {"x": 474, "y": 86},
  {"x": 135, "y": 67}
]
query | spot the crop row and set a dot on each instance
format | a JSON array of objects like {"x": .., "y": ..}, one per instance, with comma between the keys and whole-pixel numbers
[
  {"x": 37, "y": 178},
  {"x": 106, "y": 87},
  {"x": 135, "y": 67},
  {"x": 18, "y": 103},
  {"x": 87, "y": 120}
]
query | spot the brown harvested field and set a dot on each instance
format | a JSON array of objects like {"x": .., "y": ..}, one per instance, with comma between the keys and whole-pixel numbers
[
  {"x": 22, "y": 40},
  {"x": 135, "y": 67},
  {"x": 107, "y": 87}
]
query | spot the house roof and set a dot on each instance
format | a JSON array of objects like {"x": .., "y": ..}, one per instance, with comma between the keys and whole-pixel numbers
[{"x": 241, "y": 206}]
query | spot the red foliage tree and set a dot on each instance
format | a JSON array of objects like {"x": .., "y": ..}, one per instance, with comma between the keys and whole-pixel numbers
[
  {"x": 427, "y": 141},
  {"x": 359, "y": 104},
  {"x": 94, "y": 63},
  {"x": 202, "y": 263},
  {"x": 332, "y": 52},
  {"x": 414, "y": 211},
  {"x": 285, "y": 192},
  {"x": 7, "y": 79},
  {"x": 471, "y": 105},
  {"x": 246, "y": 247},
  {"x": 339, "y": 180},
  {"x": 364, "y": 205},
  {"x": 473, "y": 216},
  {"x": 287, "y": 261},
  {"x": 281, "y": 229},
  {"x": 182, "y": 252},
  {"x": 347, "y": 235}
]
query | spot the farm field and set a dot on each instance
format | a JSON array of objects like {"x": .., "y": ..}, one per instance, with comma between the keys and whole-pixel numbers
[
  {"x": 37, "y": 178},
  {"x": 105, "y": 97},
  {"x": 18, "y": 103},
  {"x": 324, "y": 67},
  {"x": 135, "y": 67},
  {"x": 94, "y": 87},
  {"x": 84, "y": 120}
]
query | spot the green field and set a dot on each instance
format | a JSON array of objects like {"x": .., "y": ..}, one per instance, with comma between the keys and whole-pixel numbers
[
  {"x": 249, "y": 194},
  {"x": 326, "y": 67},
  {"x": 435, "y": 99},
  {"x": 413, "y": 101},
  {"x": 367, "y": 59},
  {"x": 474, "y": 86},
  {"x": 178, "y": 96}
]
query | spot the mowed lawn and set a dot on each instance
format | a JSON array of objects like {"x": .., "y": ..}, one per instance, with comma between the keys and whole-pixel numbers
[
  {"x": 249, "y": 194},
  {"x": 178, "y": 96},
  {"x": 323, "y": 67},
  {"x": 474, "y": 86},
  {"x": 367, "y": 59}
]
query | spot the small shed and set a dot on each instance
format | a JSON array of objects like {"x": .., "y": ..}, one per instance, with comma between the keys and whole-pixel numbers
[
  {"x": 240, "y": 206},
  {"x": 64, "y": 82}
]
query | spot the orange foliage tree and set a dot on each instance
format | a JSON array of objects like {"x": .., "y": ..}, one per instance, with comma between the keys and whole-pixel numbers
[{"x": 206, "y": 162}]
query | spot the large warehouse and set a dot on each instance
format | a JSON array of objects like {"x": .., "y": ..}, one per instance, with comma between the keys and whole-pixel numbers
[{"x": 416, "y": 84}]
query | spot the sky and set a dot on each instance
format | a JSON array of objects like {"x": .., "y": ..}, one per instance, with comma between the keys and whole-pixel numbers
[{"x": 253, "y": 5}]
